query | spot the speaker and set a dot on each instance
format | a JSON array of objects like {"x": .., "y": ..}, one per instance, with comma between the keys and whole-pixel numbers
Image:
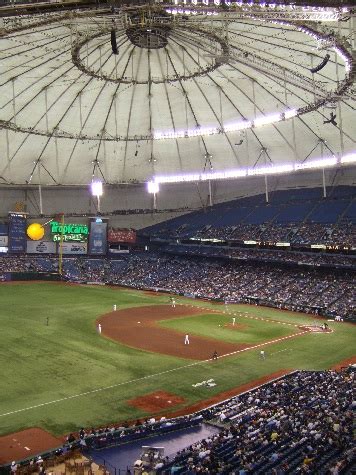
[
  {"x": 113, "y": 42},
  {"x": 321, "y": 65}
]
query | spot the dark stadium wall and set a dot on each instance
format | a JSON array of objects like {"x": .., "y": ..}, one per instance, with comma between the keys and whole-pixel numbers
[{"x": 172, "y": 200}]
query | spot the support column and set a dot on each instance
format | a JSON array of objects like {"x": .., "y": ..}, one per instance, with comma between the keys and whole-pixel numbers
[
  {"x": 324, "y": 185},
  {"x": 312, "y": 66},
  {"x": 13, "y": 100},
  {"x": 210, "y": 194},
  {"x": 339, "y": 106},
  {"x": 46, "y": 106},
  {"x": 115, "y": 115},
  {"x": 8, "y": 148},
  {"x": 39, "y": 187},
  {"x": 254, "y": 98},
  {"x": 57, "y": 156},
  {"x": 98, "y": 197},
  {"x": 80, "y": 112},
  {"x": 323, "y": 170},
  {"x": 221, "y": 108},
  {"x": 100, "y": 60},
  {"x": 266, "y": 189}
]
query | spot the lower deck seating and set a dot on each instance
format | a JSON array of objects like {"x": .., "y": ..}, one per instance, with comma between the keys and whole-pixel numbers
[{"x": 300, "y": 424}]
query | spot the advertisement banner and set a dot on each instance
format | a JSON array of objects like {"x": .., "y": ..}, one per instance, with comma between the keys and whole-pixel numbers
[
  {"x": 122, "y": 235},
  {"x": 41, "y": 247},
  {"x": 98, "y": 238},
  {"x": 4, "y": 240},
  {"x": 74, "y": 247},
  {"x": 17, "y": 233},
  {"x": 69, "y": 232}
]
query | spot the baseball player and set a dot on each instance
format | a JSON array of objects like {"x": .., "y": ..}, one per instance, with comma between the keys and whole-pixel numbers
[
  {"x": 186, "y": 339},
  {"x": 233, "y": 320},
  {"x": 99, "y": 328},
  {"x": 114, "y": 307}
]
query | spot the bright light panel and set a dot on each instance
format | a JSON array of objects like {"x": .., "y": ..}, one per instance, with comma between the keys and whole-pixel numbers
[
  {"x": 290, "y": 113},
  {"x": 319, "y": 163},
  {"x": 96, "y": 188},
  {"x": 268, "y": 119},
  {"x": 153, "y": 187},
  {"x": 351, "y": 158},
  {"x": 271, "y": 170}
]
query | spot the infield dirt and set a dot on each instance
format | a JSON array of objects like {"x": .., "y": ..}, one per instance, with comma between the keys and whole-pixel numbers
[{"x": 138, "y": 327}]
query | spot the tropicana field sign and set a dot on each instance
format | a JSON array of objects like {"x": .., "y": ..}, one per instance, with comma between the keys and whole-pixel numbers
[{"x": 69, "y": 232}]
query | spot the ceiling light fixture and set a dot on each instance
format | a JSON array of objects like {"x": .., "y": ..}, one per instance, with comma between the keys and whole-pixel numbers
[{"x": 320, "y": 163}]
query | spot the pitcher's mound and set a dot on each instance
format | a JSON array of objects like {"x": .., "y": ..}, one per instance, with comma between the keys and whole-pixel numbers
[{"x": 156, "y": 401}]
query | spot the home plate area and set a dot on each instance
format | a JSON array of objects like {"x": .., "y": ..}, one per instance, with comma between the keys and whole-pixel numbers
[
  {"x": 315, "y": 328},
  {"x": 210, "y": 383}
]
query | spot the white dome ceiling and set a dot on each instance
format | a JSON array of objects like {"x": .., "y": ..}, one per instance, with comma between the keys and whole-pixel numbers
[{"x": 73, "y": 107}]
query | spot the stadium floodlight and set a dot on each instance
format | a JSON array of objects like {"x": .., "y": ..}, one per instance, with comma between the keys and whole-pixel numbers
[
  {"x": 346, "y": 59},
  {"x": 271, "y": 170},
  {"x": 319, "y": 163},
  {"x": 97, "y": 190},
  {"x": 223, "y": 174},
  {"x": 268, "y": 119},
  {"x": 236, "y": 126},
  {"x": 290, "y": 113},
  {"x": 153, "y": 187},
  {"x": 351, "y": 158}
]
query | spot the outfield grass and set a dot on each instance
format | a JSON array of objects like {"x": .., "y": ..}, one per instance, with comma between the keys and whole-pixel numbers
[{"x": 40, "y": 364}]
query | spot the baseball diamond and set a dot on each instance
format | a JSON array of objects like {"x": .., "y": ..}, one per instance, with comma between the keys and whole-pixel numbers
[{"x": 177, "y": 237}]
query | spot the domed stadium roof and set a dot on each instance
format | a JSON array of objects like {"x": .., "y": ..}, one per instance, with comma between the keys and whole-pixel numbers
[{"x": 186, "y": 91}]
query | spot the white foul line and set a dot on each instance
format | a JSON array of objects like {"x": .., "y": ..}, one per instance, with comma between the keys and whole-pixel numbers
[
  {"x": 168, "y": 370},
  {"x": 74, "y": 396}
]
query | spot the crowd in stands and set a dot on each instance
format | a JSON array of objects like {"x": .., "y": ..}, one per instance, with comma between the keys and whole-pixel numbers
[
  {"x": 325, "y": 293},
  {"x": 23, "y": 264},
  {"x": 294, "y": 233},
  {"x": 319, "y": 291},
  {"x": 302, "y": 423},
  {"x": 263, "y": 255}
]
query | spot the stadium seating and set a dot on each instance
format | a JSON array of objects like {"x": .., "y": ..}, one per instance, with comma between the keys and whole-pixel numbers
[
  {"x": 309, "y": 217},
  {"x": 301, "y": 423},
  {"x": 263, "y": 255},
  {"x": 316, "y": 283},
  {"x": 324, "y": 292}
]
